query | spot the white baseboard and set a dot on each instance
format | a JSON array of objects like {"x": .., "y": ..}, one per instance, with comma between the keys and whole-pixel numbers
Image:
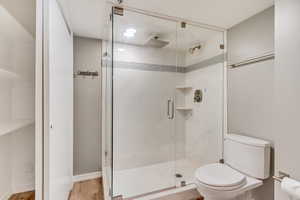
[
  {"x": 6, "y": 196},
  {"x": 88, "y": 176},
  {"x": 23, "y": 188},
  {"x": 17, "y": 189}
]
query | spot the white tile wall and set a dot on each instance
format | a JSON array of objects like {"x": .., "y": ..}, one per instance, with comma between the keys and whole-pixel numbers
[
  {"x": 203, "y": 126},
  {"x": 142, "y": 133}
]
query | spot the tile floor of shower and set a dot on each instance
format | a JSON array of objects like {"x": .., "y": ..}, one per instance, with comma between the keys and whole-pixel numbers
[{"x": 158, "y": 177}]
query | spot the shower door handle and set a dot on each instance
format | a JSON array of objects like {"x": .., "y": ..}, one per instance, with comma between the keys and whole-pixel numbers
[
  {"x": 170, "y": 103},
  {"x": 168, "y": 108},
  {"x": 172, "y": 106}
]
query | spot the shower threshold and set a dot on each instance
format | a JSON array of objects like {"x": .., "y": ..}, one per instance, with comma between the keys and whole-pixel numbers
[
  {"x": 163, "y": 193},
  {"x": 140, "y": 182}
]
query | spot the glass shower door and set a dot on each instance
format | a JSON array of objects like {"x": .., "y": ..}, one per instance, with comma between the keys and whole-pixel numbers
[
  {"x": 199, "y": 117},
  {"x": 107, "y": 106},
  {"x": 145, "y": 74}
]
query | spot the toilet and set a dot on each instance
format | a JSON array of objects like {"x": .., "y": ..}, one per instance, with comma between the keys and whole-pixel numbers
[{"x": 246, "y": 165}]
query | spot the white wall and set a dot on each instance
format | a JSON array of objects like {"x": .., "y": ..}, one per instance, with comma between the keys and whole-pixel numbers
[
  {"x": 287, "y": 89},
  {"x": 23, "y": 160},
  {"x": 5, "y": 169},
  {"x": 59, "y": 143}
]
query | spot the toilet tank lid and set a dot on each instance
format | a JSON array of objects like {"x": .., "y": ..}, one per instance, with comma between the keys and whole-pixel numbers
[{"x": 247, "y": 140}]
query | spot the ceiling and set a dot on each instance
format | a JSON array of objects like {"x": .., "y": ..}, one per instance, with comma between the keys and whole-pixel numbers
[{"x": 88, "y": 17}]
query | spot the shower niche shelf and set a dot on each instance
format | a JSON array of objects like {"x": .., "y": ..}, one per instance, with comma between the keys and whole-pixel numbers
[
  {"x": 9, "y": 127},
  {"x": 183, "y": 108},
  {"x": 183, "y": 87}
]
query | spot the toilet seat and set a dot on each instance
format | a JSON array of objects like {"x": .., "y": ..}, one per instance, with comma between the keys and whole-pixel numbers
[{"x": 220, "y": 177}]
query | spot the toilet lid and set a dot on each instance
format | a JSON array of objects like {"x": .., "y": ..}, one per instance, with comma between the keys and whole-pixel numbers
[{"x": 219, "y": 175}]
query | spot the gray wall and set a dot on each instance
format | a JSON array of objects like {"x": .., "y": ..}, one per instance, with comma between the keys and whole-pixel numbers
[
  {"x": 287, "y": 90},
  {"x": 250, "y": 87},
  {"x": 252, "y": 37},
  {"x": 87, "y": 107}
]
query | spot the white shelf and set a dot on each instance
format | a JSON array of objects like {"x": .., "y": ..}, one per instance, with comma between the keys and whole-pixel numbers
[
  {"x": 9, "y": 127},
  {"x": 184, "y": 108},
  {"x": 183, "y": 87},
  {"x": 7, "y": 74}
]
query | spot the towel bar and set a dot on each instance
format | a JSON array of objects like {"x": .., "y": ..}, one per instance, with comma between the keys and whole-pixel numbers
[{"x": 281, "y": 176}]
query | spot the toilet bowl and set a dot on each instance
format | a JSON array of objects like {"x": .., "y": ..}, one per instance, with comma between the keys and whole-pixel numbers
[
  {"x": 221, "y": 182},
  {"x": 247, "y": 163}
]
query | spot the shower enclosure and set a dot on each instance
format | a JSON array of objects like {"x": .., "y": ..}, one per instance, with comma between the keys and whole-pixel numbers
[{"x": 162, "y": 101}]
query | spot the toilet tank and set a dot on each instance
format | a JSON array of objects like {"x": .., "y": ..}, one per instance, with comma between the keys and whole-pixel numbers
[{"x": 248, "y": 155}]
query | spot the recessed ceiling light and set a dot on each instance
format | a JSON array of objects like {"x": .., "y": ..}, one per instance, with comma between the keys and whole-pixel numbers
[
  {"x": 130, "y": 32},
  {"x": 121, "y": 49}
]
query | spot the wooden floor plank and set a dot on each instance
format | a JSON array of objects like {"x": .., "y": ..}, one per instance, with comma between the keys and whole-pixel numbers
[
  {"x": 23, "y": 196},
  {"x": 88, "y": 190}
]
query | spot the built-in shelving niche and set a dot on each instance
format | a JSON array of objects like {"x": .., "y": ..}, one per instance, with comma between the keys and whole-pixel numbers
[
  {"x": 184, "y": 88},
  {"x": 12, "y": 126}
]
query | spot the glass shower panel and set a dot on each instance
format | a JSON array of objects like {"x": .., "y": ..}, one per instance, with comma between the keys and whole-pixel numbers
[
  {"x": 17, "y": 92},
  {"x": 107, "y": 99},
  {"x": 199, "y": 117},
  {"x": 145, "y": 74}
]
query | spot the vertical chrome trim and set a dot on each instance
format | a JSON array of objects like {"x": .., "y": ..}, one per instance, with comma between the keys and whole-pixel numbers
[
  {"x": 169, "y": 18},
  {"x": 225, "y": 85}
]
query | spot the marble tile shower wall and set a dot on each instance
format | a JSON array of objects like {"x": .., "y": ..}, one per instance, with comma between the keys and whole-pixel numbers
[{"x": 144, "y": 79}]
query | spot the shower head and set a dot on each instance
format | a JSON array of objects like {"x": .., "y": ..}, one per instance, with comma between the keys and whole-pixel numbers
[
  {"x": 155, "y": 42},
  {"x": 195, "y": 48}
]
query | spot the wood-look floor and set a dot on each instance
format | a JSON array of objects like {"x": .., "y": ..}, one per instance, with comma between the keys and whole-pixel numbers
[
  {"x": 23, "y": 196},
  {"x": 87, "y": 190},
  {"x": 92, "y": 190}
]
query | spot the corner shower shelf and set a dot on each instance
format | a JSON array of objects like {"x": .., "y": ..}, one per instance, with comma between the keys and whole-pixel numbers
[
  {"x": 183, "y": 108},
  {"x": 182, "y": 87},
  {"x": 9, "y": 127}
]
